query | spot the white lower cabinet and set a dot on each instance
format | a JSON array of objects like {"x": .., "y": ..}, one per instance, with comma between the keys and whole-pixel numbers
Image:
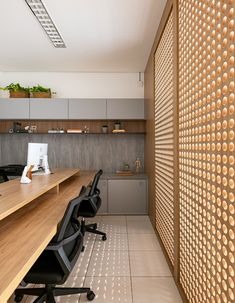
[{"x": 123, "y": 196}]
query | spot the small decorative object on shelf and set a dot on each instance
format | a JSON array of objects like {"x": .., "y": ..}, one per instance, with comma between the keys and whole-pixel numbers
[
  {"x": 86, "y": 130},
  {"x": 104, "y": 129},
  {"x": 16, "y": 90},
  {"x": 137, "y": 165},
  {"x": 40, "y": 92},
  {"x": 125, "y": 171},
  {"x": 118, "y": 131},
  {"x": 74, "y": 131},
  {"x": 117, "y": 125},
  {"x": 56, "y": 131},
  {"x": 117, "y": 128},
  {"x": 126, "y": 167}
]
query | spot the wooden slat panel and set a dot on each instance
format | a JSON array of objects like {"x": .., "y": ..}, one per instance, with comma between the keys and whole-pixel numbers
[
  {"x": 206, "y": 150},
  {"x": 164, "y": 139}
]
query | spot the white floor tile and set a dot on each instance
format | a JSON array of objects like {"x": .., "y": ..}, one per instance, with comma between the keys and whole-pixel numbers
[
  {"x": 143, "y": 242},
  {"x": 111, "y": 289},
  {"x": 113, "y": 218},
  {"x": 114, "y": 242},
  {"x": 157, "y": 290},
  {"x": 137, "y": 218},
  {"x": 89, "y": 241},
  {"x": 81, "y": 266},
  {"x": 139, "y": 227},
  {"x": 109, "y": 264},
  {"x": 148, "y": 264},
  {"x": 73, "y": 281},
  {"x": 113, "y": 226}
]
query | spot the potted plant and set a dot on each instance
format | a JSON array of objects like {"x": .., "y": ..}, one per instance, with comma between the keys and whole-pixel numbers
[
  {"x": 40, "y": 92},
  {"x": 16, "y": 90},
  {"x": 104, "y": 129},
  {"x": 117, "y": 125}
]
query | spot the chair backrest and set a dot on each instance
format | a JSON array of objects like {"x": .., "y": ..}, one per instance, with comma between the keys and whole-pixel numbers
[
  {"x": 92, "y": 201},
  {"x": 95, "y": 182},
  {"x": 69, "y": 239},
  {"x": 3, "y": 176}
]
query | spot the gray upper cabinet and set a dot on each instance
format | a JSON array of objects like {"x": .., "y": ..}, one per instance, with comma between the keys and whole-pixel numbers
[
  {"x": 14, "y": 108},
  {"x": 125, "y": 109},
  {"x": 87, "y": 108},
  {"x": 49, "y": 109}
]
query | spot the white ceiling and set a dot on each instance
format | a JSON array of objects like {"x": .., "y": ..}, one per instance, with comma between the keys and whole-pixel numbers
[{"x": 100, "y": 35}]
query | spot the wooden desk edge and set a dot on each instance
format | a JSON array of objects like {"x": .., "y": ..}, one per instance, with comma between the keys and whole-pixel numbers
[{"x": 11, "y": 210}]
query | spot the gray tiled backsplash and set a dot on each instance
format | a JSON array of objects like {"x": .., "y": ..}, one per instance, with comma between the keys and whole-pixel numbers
[{"x": 87, "y": 152}]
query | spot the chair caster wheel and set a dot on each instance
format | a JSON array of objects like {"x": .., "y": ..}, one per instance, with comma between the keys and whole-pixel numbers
[
  {"x": 18, "y": 298},
  {"x": 83, "y": 248},
  {"x": 90, "y": 295},
  {"x": 104, "y": 238},
  {"x": 95, "y": 226}
]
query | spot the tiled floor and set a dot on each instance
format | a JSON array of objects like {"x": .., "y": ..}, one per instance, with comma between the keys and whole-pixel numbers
[{"x": 127, "y": 268}]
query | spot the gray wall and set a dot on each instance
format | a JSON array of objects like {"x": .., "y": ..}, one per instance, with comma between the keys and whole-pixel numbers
[{"x": 87, "y": 152}]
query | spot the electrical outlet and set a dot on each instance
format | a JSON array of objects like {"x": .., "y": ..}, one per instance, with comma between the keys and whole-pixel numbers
[{"x": 140, "y": 83}]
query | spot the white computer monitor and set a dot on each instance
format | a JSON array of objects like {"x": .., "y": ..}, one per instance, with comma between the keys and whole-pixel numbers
[{"x": 37, "y": 152}]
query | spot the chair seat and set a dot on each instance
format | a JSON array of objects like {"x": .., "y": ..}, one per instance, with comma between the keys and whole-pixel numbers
[
  {"x": 86, "y": 210},
  {"x": 46, "y": 270}
]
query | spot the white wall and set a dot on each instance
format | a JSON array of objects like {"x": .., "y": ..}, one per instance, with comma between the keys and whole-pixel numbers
[{"x": 79, "y": 85}]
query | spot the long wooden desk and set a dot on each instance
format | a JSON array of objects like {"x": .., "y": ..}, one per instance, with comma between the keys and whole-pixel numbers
[
  {"x": 14, "y": 195},
  {"x": 25, "y": 233}
]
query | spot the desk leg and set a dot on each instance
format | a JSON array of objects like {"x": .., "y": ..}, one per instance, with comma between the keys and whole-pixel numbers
[{"x": 54, "y": 190}]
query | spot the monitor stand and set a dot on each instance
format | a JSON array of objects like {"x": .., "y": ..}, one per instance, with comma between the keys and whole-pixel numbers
[{"x": 40, "y": 172}]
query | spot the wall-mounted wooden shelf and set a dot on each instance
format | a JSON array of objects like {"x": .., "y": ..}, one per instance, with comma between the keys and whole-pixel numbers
[
  {"x": 94, "y": 126},
  {"x": 77, "y": 134}
]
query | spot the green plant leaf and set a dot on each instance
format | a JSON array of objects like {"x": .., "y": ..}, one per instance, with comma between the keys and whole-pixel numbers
[{"x": 39, "y": 89}]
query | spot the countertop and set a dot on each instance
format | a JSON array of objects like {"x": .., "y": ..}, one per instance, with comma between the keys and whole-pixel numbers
[{"x": 113, "y": 176}]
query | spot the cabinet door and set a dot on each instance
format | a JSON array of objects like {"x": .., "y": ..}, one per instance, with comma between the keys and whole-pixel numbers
[
  {"x": 103, "y": 187},
  {"x": 48, "y": 108},
  {"x": 127, "y": 196},
  {"x": 87, "y": 108},
  {"x": 125, "y": 109},
  {"x": 14, "y": 108}
]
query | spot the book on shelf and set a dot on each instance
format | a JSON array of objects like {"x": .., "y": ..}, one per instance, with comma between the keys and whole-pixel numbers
[
  {"x": 74, "y": 131},
  {"x": 116, "y": 131}
]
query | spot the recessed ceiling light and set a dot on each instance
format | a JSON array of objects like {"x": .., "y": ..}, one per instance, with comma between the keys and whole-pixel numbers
[{"x": 40, "y": 12}]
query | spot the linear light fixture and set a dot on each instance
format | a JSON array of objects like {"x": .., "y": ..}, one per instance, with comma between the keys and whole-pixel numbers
[{"x": 41, "y": 13}]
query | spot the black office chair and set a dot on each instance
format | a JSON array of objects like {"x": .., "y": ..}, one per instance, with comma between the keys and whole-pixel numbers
[
  {"x": 57, "y": 260},
  {"x": 90, "y": 206},
  {"x": 3, "y": 176}
]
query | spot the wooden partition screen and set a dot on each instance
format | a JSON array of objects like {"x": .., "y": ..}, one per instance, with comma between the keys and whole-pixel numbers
[
  {"x": 164, "y": 139},
  {"x": 206, "y": 150},
  {"x": 203, "y": 209}
]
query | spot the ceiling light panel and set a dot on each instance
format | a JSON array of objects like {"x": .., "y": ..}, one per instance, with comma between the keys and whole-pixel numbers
[{"x": 40, "y": 12}]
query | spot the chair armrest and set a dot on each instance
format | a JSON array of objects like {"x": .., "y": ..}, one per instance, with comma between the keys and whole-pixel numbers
[
  {"x": 58, "y": 245},
  {"x": 89, "y": 199}
]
